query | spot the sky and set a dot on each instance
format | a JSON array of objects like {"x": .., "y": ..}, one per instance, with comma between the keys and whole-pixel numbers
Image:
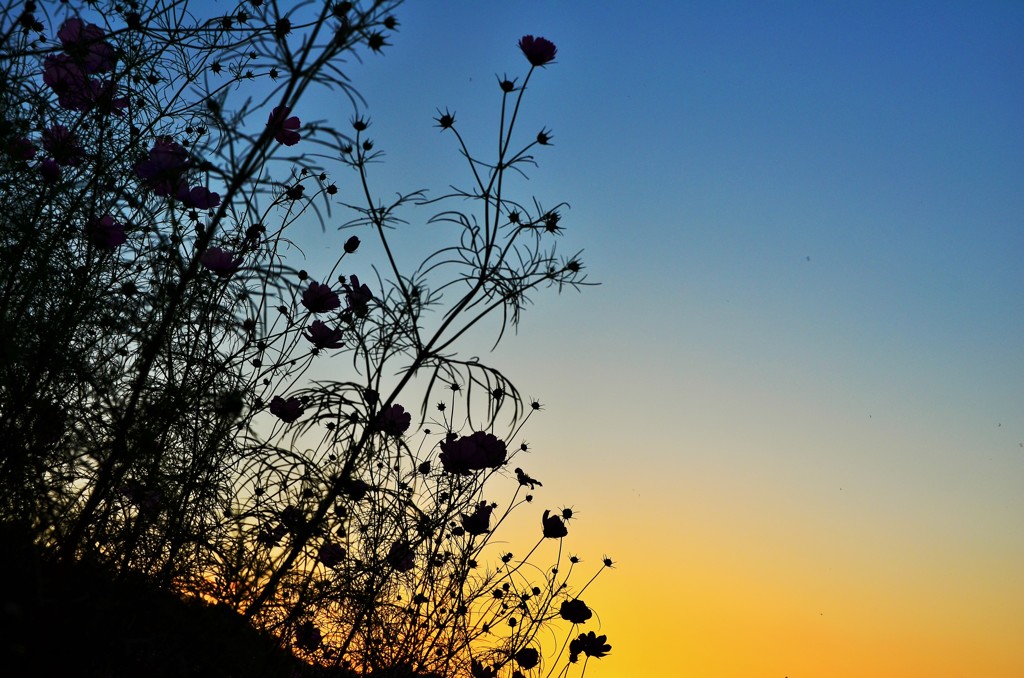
[{"x": 793, "y": 410}]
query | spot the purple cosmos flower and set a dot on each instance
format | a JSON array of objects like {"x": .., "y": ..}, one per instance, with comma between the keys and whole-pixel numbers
[
  {"x": 198, "y": 197},
  {"x": 286, "y": 410},
  {"x": 393, "y": 421},
  {"x": 358, "y": 297},
  {"x": 75, "y": 91},
  {"x": 50, "y": 171},
  {"x": 62, "y": 145},
  {"x": 554, "y": 527},
  {"x": 472, "y": 453},
  {"x": 319, "y": 298},
  {"x": 322, "y": 336},
  {"x": 330, "y": 554},
  {"x": 283, "y": 126},
  {"x": 351, "y": 245},
  {"x": 538, "y": 51},
  {"x": 85, "y": 43},
  {"x": 105, "y": 233},
  {"x": 223, "y": 264},
  {"x": 478, "y": 522},
  {"x": 163, "y": 170}
]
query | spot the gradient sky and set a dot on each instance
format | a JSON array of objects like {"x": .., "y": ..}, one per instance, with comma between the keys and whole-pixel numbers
[{"x": 793, "y": 412}]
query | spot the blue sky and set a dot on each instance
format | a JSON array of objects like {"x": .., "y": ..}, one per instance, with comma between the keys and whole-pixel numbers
[{"x": 801, "y": 378}]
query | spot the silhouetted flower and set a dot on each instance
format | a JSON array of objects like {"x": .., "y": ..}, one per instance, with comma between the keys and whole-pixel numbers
[
  {"x": 354, "y": 488},
  {"x": 273, "y": 536},
  {"x": 575, "y": 611},
  {"x": 286, "y": 410},
  {"x": 554, "y": 528},
  {"x": 105, "y": 233},
  {"x": 49, "y": 170},
  {"x": 589, "y": 644},
  {"x": 330, "y": 554},
  {"x": 308, "y": 636},
  {"x": 323, "y": 336},
  {"x": 528, "y": 657},
  {"x": 478, "y": 670},
  {"x": 527, "y": 480},
  {"x": 222, "y": 263},
  {"x": 393, "y": 421},
  {"x": 538, "y": 51},
  {"x": 472, "y": 453},
  {"x": 358, "y": 297},
  {"x": 478, "y": 522},
  {"x": 284, "y": 128},
  {"x": 198, "y": 197},
  {"x": 74, "y": 89},
  {"x": 84, "y": 43},
  {"x": 319, "y": 298},
  {"x": 163, "y": 170},
  {"x": 62, "y": 145},
  {"x": 401, "y": 556},
  {"x": 351, "y": 245}
]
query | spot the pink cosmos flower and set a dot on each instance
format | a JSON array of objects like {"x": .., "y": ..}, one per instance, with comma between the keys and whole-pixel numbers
[
  {"x": 85, "y": 43},
  {"x": 538, "y": 51},
  {"x": 163, "y": 170},
  {"x": 319, "y": 298},
  {"x": 105, "y": 233},
  {"x": 75, "y": 91},
  {"x": 197, "y": 197},
  {"x": 50, "y": 171},
  {"x": 286, "y": 410},
  {"x": 222, "y": 263},
  {"x": 322, "y": 336},
  {"x": 358, "y": 297},
  {"x": 62, "y": 145},
  {"x": 283, "y": 126}
]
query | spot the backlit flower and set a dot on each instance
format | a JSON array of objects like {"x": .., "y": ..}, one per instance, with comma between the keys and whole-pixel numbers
[
  {"x": 472, "y": 453},
  {"x": 283, "y": 126},
  {"x": 163, "y": 170},
  {"x": 330, "y": 554},
  {"x": 105, "y": 233},
  {"x": 358, "y": 297},
  {"x": 319, "y": 298},
  {"x": 538, "y": 51},
  {"x": 590, "y": 644},
  {"x": 401, "y": 556},
  {"x": 220, "y": 262},
  {"x": 554, "y": 527},
  {"x": 351, "y": 245},
  {"x": 84, "y": 42},
  {"x": 575, "y": 611},
  {"x": 323, "y": 336},
  {"x": 308, "y": 636},
  {"x": 394, "y": 420},
  {"x": 286, "y": 410},
  {"x": 197, "y": 197},
  {"x": 528, "y": 657},
  {"x": 478, "y": 522}
]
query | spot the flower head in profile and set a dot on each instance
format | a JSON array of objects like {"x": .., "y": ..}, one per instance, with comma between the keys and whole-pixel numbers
[
  {"x": 554, "y": 526},
  {"x": 222, "y": 263},
  {"x": 105, "y": 233},
  {"x": 590, "y": 644},
  {"x": 319, "y": 298},
  {"x": 284, "y": 127},
  {"x": 351, "y": 245},
  {"x": 538, "y": 51},
  {"x": 286, "y": 410},
  {"x": 358, "y": 297},
  {"x": 393, "y": 420},
  {"x": 479, "y": 521},
  {"x": 323, "y": 336}
]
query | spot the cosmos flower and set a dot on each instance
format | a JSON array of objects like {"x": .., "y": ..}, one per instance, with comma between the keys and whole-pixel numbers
[
  {"x": 538, "y": 51},
  {"x": 394, "y": 420},
  {"x": 575, "y": 611},
  {"x": 283, "y": 126},
  {"x": 223, "y": 264},
  {"x": 472, "y": 453},
  {"x": 478, "y": 522},
  {"x": 286, "y": 410},
  {"x": 319, "y": 298},
  {"x": 322, "y": 336},
  {"x": 589, "y": 644},
  {"x": 105, "y": 233},
  {"x": 554, "y": 527}
]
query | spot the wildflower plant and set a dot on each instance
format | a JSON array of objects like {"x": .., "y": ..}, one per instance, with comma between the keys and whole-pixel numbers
[{"x": 157, "y": 413}]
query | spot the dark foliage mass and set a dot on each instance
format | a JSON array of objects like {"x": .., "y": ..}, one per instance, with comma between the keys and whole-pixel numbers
[{"x": 181, "y": 491}]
